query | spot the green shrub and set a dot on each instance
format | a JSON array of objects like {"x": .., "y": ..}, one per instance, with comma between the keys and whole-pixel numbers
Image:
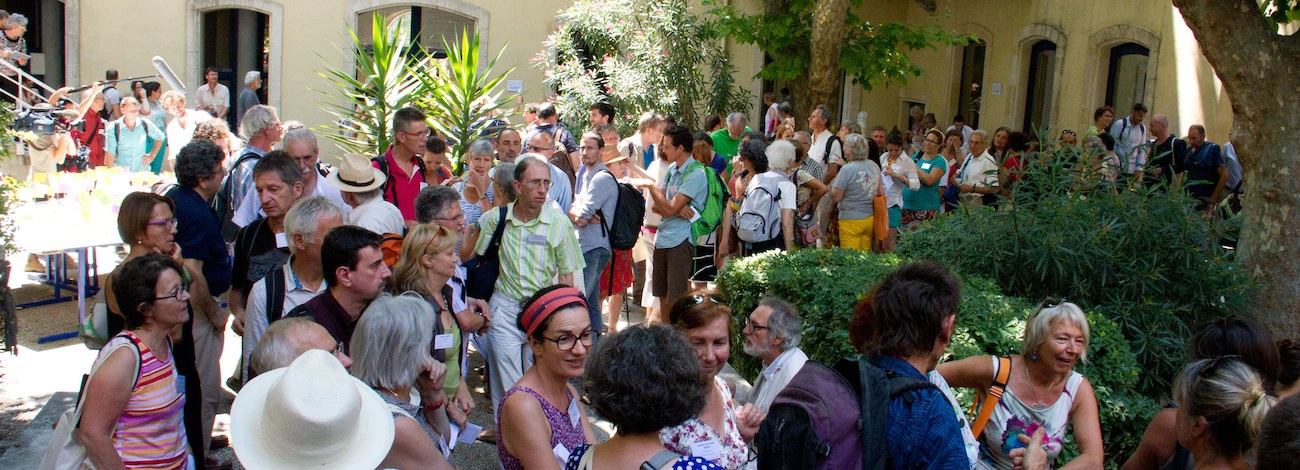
[
  {"x": 825, "y": 284},
  {"x": 1142, "y": 258}
]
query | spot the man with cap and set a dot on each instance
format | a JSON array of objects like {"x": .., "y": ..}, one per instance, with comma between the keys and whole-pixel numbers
[{"x": 361, "y": 185}]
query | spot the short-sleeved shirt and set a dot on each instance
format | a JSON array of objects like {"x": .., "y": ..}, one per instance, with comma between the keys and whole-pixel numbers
[
  {"x": 111, "y": 97},
  {"x": 253, "y": 257},
  {"x": 198, "y": 233},
  {"x": 93, "y": 137},
  {"x": 379, "y": 216},
  {"x": 178, "y": 136},
  {"x": 724, "y": 145},
  {"x": 255, "y": 320},
  {"x": 597, "y": 191},
  {"x": 218, "y": 98},
  {"x": 42, "y": 152},
  {"x": 241, "y": 176},
  {"x": 858, "y": 180},
  {"x": 128, "y": 145},
  {"x": 821, "y": 154},
  {"x": 533, "y": 252},
  {"x": 692, "y": 182},
  {"x": 402, "y": 188},
  {"x": 927, "y": 197},
  {"x": 1202, "y": 166},
  {"x": 18, "y": 45},
  {"x": 787, "y": 193}
]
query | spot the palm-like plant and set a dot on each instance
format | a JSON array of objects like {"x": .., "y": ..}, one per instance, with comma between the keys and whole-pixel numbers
[
  {"x": 385, "y": 81},
  {"x": 463, "y": 104}
]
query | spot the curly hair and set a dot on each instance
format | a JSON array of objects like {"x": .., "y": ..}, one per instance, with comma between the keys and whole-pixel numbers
[
  {"x": 197, "y": 161},
  {"x": 645, "y": 378}
]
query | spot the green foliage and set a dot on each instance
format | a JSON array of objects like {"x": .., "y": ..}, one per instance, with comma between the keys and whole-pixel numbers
[
  {"x": 383, "y": 83},
  {"x": 462, "y": 101},
  {"x": 638, "y": 55},
  {"x": 8, "y": 185},
  {"x": 1280, "y": 12},
  {"x": 874, "y": 54},
  {"x": 1141, "y": 257},
  {"x": 825, "y": 285}
]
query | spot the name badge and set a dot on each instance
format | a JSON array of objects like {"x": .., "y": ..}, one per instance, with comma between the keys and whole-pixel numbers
[
  {"x": 281, "y": 241},
  {"x": 442, "y": 341},
  {"x": 561, "y": 453},
  {"x": 709, "y": 449},
  {"x": 537, "y": 239},
  {"x": 423, "y": 185},
  {"x": 925, "y": 166}
]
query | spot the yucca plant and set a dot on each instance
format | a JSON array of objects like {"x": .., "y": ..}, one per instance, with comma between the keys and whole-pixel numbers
[
  {"x": 385, "y": 81},
  {"x": 463, "y": 104}
]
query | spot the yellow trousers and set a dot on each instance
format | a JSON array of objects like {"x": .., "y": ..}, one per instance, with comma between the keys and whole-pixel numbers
[{"x": 856, "y": 234}]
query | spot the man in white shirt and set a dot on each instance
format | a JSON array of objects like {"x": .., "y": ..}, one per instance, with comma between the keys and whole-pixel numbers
[
  {"x": 1131, "y": 142},
  {"x": 361, "y": 185},
  {"x": 212, "y": 97},
  {"x": 978, "y": 176},
  {"x": 772, "y": 333},
  {"x": 300, "y": 144},
  {"x": 831, "y": 158},
  {"x": 305, "y": 227}
]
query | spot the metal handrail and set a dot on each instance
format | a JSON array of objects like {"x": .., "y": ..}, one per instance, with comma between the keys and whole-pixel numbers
[{"x": 23, "y": 89}]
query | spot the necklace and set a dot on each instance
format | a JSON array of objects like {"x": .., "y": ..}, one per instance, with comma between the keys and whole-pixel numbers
[{"x": 1039, "y": 404}]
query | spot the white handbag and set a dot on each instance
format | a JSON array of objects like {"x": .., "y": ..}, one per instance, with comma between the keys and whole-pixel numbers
[{"x": 65, "y": 451}]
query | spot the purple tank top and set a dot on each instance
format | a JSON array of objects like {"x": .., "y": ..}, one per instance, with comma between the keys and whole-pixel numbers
[{"x": 562, "y": 429}]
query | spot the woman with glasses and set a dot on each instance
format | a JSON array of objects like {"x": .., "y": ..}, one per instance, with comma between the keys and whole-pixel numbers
[
  {"x": 721, "y": 424},
  {"x": 922, "y": 204},
  {"x": 390, "y": 353},
  {"x": 427, "y": 263},
  {"x": 476, "y": 195},
  {"x": 1236, "y": 336},
  {"x": 147, "y": 224},
  {"x": 134, "y": 399},
  {"x": 1042, "y": 391},
  {"x": 1222, "y": 402},
  {"x": 540, "y": 416}
]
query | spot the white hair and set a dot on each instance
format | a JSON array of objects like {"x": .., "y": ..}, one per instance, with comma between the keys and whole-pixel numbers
[
  {"x": 391, "y": 342},
  {"x": 305, "y": 216},
  {"x": 251, "y": 77},
  {"x": 255, "y": 120},
  {"x": 780, "y": 155}
]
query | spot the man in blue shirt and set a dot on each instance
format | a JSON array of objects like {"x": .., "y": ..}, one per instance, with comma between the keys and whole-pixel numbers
[
  {"x": 593, "y": 214},
  {"x": 906, "y": 337},
  {"x": 678, "y": 198},
  {"x": 199, "y": 173}
]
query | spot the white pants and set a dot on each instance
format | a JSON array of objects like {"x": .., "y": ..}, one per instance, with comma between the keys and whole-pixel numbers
[
  {"x": 507, "y": 355},
  {"x": 207, "y": 359}
]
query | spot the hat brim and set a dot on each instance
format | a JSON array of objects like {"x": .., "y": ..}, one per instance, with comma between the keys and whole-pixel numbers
[
  {"x": 333, "y": 180},
  {"x": 367, "y": 450}
]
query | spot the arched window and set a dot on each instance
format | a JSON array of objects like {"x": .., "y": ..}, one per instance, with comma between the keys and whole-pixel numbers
[
  {"x": 1038, "y": 93},
  {"x": 1126, "y": 80}
]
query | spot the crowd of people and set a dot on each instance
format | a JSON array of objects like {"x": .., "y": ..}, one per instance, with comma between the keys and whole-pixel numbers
[{"x": 359, "y": 289}]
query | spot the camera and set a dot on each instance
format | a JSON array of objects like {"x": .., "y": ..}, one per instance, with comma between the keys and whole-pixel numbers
[{"x": 46, "y": 121}]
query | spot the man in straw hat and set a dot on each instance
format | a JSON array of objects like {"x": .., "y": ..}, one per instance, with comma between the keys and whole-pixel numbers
[
  {"x": 311, "y": 414},
  {"x": 361, "y": 185}
]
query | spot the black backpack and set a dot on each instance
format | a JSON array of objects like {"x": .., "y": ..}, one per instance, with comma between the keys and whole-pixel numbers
[
  {"x": 224, "y": 201},
  {"x": 624, "y": 228},
  {"x": 811, "y": 424}
]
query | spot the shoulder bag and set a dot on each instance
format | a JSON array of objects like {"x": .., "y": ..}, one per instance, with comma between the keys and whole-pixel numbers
[
  {"x": 65, "y": 450},
  {"x": 481, "y": 272}
]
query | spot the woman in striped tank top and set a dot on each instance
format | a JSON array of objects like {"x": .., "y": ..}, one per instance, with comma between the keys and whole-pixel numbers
[{"x": 134, "y": 420}]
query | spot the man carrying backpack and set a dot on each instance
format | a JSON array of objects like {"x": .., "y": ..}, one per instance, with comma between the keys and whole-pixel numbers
[
  {"x": 678, "y": 198},
  {"x": 596, "y": 196}
]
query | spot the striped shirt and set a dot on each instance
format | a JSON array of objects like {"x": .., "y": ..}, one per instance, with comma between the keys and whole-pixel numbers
[
  {"x": 149, "y": 433},
  {"x": 532, "y": 253}
]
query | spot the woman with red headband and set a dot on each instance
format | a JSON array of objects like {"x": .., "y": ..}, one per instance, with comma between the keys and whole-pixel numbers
[{"x": 539, "y": 420}]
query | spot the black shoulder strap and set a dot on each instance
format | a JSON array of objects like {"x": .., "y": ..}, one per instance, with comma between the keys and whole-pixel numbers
[
  {"x": 275, "y": 291},
  {"x": 388, "y": 176},
  {"x": 659, "y": 460},
  {"x": 494, "y": 245},
  {"x": 618, "y": 195}
]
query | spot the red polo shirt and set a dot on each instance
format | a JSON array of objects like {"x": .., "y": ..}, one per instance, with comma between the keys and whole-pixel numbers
[{"x": 402, "y": 188}]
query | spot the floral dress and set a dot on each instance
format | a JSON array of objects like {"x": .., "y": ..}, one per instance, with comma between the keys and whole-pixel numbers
[
  {"x": 734, "y": 451},
  {"x": 1013, "y": 417}
]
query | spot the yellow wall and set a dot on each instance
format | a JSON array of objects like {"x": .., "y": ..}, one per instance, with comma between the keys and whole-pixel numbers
[{"x": 1185, "y": 88}]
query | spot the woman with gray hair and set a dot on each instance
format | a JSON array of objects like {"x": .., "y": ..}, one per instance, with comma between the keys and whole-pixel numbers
[
  {"x": 503, "y": 184},
  {"x": 476, "y": 195},
  {"x": 764, "y": 221},
  {"x": 390, "y": 353},
  {"x": 1042, "y": 389},
  {"x": 783, "y": 158},
  {"x": 851, "y": 192}
]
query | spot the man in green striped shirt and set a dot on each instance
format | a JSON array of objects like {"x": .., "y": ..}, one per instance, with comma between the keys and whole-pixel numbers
[{"x": 538, "y": 247}]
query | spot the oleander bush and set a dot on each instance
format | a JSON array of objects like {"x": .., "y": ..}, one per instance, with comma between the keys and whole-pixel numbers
[{"x": 825, "y": 285}]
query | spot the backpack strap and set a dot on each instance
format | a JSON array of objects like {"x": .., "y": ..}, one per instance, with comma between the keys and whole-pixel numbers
[
  {"x": 494, "y": 245},
  {"x": 988, "y": 401},
  {"x": 85, "y": 379},
  {"x": 604, "y": 226},
  {"x": 275, "y": 290},
  {"x": 659, "y": 460}
]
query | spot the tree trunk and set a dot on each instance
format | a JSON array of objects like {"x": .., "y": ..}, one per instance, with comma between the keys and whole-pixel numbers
[
  {"x": 824, "y": 72},
  {"x": 1260, "y": 71}
]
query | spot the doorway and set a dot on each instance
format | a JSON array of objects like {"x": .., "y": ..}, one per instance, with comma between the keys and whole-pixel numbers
[{"x": 236, "y": 41}]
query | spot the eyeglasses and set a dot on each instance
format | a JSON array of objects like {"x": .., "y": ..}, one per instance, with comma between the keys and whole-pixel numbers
[
  {"x": 1209, "y": 368},
  {"x": 459, "y": 218},
  {"x": 421, "y": 135},
  {"x": 176, "y": 294},
  {"x": 544, "y": 184},
  {"x": 1048, "y": 302},
  {"x": 935, "y": 142},
  {"x": 567, "y": 342},
  {"x": 700, "y": 298},
  {"x": 753, "y": 325},
  {"x": 537, "y": 149},
  {"x": 169, "y": 222}
]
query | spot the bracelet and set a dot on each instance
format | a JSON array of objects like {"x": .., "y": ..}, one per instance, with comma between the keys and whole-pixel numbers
[{"x": 435, "y": 405}]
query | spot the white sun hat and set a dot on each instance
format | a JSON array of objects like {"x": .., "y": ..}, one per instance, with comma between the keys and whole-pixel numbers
[
  {"x": 310, "y": 415},
  {"x": 355, "y": 174}
]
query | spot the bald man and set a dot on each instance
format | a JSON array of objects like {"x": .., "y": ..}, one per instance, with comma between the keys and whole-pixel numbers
[
  {"x": 288, "y": 338},
  {"x": 1168, "y": 155}
]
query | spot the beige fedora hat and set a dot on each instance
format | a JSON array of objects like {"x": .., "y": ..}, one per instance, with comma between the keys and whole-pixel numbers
[
  {"x": 355, "y": 174},
  {"x": 310, "y": 415}
]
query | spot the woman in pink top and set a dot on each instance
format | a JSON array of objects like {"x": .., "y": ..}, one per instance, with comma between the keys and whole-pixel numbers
[{"x": 134, "y": 420}]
